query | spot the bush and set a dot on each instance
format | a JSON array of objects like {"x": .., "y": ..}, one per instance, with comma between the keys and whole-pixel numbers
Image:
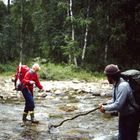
[
  {"x": 6, "y": 68},
  {"x": 66, "y": 72}
]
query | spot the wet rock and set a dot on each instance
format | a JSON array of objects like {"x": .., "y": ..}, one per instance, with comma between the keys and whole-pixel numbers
[
  {"x": 99, "y": 88},
  {"x": 57, "y": 92},
  {"x": 68, "y": 108},
  {"x": 1, "y": 97},
  {"x": 107, "y": 93}
]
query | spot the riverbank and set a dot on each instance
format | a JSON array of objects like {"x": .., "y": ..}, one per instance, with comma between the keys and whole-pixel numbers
[{"x": 100, "y": 88}]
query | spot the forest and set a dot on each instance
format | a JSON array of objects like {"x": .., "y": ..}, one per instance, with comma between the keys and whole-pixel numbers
[{"x": 85, "y": 33}]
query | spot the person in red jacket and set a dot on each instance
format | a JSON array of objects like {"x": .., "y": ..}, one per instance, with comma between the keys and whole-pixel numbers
[{"x": 30, "y": 79}]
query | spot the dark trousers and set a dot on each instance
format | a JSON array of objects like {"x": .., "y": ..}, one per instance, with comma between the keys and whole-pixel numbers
[
  {"x": 128, "y": 127},
  {"x": 29, "y": 100}
]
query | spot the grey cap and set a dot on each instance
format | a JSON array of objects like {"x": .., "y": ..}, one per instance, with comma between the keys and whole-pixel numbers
[{"x": 111, "y": 69}]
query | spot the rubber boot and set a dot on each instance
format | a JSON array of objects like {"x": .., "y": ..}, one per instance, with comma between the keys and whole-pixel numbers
[
  {"x": 32, "y": 118},
  {"x": 24, "y": 117}
]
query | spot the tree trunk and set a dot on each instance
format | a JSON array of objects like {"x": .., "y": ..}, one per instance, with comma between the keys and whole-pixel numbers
[
  {"x": 107, "y": 32},
  {"x": 107, "y": 41},
  {"x": 85, "y": 44},
  {"x": 73, "y": 31},
  {"x": 8, "y": 2},
  {"x": 86, "y": 34},
  {"x": 21, "y": 31},
  {"x": 106, "y": 53}
]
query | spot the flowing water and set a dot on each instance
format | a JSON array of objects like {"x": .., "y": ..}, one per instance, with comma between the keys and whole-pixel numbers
[{"x": 52, "y": 110}]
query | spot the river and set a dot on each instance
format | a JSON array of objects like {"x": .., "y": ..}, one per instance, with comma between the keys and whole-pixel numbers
[{"x": 52, "y": 110}]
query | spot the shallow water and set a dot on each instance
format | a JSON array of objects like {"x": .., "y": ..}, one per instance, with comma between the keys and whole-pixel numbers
[{"x": 52, "y": 110}]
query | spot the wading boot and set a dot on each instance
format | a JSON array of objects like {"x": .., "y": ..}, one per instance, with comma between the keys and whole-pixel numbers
[
  {"x": 32, "y": 118},
  {"x": 24, "y": 117}
]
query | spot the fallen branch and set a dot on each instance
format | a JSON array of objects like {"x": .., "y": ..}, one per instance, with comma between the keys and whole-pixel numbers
[{"x": 82, "y": 114}]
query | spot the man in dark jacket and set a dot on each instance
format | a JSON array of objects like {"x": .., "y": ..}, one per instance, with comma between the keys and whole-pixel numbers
[
  {"x": 123, "y": 102},
  {"x": 30, "y": 78}
]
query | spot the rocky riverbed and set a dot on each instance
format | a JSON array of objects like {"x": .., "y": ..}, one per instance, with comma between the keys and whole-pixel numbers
[
  {"x": 62, "y": 100},
  {"x": 101, "y": 88}
]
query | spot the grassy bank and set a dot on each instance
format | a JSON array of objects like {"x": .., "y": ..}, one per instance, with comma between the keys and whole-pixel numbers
[{"x": 51, "y": 71}]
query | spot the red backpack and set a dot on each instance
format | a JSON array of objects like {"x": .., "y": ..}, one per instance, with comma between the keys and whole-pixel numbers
[{"x": 19, "y": 76}]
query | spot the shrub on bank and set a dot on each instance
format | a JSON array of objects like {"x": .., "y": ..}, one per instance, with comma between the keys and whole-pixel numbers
[
  {"x": 52, "y": 71},
  {"x": 67, "y": 72}
]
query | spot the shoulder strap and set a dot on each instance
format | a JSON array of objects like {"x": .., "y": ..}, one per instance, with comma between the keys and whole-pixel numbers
[{"x": 115, "y": 87}]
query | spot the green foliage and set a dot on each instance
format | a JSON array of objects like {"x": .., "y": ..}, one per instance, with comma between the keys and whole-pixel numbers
[
  {"x": 71, "y": 47},
  {"x": 62, "y": 6},
  {"x": 52, "y": 71},
  {"x": 47, "y": 32},
  {"x": 7, "y": 68},
  {"x": 83, "y": 22}
]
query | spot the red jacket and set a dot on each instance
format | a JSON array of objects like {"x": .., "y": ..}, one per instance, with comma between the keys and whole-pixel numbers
[{"x": 31, "y": 76}]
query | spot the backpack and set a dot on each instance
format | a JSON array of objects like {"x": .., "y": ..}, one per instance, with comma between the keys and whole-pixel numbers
[
  {"x": 21, "y": 70},
  {"x": 133, "y": 78}
]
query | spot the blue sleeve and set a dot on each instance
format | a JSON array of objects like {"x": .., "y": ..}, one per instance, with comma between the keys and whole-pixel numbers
[{"x": 121, "y": 96}]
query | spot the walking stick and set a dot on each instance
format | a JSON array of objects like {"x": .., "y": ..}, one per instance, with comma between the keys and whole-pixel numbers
[{"x": 82, "y": 114}]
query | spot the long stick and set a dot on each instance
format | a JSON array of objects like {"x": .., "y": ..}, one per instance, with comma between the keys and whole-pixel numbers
[{"x": 82, "y": 114}]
